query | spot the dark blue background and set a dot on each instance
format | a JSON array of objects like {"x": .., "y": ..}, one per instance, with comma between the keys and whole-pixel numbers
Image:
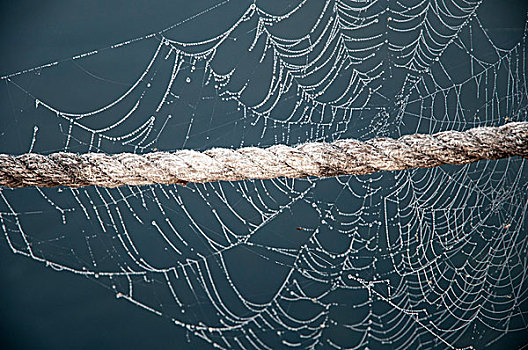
[{"x": 45, "y": 309}]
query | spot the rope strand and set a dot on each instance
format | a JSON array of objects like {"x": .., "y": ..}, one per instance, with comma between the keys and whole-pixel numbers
[{"x": 342, "y": 157}]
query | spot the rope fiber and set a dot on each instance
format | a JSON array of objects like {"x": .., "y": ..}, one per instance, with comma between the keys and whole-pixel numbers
[{"x": 320, "y": 159}]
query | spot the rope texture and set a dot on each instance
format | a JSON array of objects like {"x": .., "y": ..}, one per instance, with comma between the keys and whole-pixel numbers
[{"x": 343, "y": 157}]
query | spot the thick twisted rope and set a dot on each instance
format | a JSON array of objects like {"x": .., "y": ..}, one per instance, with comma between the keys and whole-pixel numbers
[{"x": 343, "y": 157}]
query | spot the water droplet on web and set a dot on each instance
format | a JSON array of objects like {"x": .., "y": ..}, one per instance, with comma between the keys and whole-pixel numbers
[
  {"x": 188, "y": 80},
  {"x": 149, "y": 85}
]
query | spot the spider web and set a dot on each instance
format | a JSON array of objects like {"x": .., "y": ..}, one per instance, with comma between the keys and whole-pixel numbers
[{"x": 421, "y": 258}]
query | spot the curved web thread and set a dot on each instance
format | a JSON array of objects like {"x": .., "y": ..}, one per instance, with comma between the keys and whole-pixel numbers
[{"x": 420, "y": 258}]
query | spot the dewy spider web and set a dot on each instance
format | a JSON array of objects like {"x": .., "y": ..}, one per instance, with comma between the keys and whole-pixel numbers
[{"x": 421, "y": 258}]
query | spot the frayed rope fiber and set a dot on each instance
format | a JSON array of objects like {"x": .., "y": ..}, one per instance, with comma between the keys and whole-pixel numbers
[{"x": 320, "y": 159}]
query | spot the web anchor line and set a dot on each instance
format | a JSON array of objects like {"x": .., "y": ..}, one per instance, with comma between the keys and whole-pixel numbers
[{"x": 319, "y": 159}]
